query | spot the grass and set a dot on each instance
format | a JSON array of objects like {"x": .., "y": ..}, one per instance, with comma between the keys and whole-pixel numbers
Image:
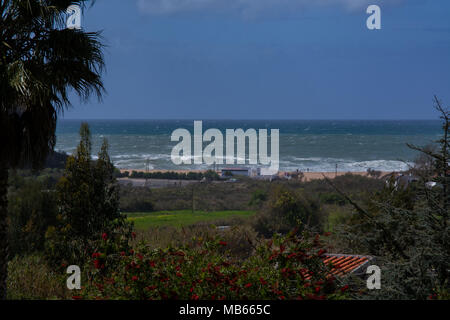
[
  {"x": 337, "y": 215},
  {"x": 30, "y": 278},
  {"x": 181, "y": 218}
]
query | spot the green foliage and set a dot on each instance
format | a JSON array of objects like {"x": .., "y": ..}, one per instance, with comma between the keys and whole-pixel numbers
[
  {"x": 240, "y": 237},
  {"x": 408, "y": 229},
  {"x": 169, "y": 175},
  {"x": 41, "y": 61},
  {"x": 258, "y": 198},
  {"x": 288, "y": 209},
  {"x": 211, "y": 175},
  {"x": 238, "y": 196},
  {"x": 288, "y": 267},
  {"x": 32, "y": 209},
  {"x": 332, "y": 198},
  {"x": 88, "y": 202}
]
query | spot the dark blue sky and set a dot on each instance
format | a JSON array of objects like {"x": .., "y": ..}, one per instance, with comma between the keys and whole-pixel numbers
[{"x": 270, "y": 59}]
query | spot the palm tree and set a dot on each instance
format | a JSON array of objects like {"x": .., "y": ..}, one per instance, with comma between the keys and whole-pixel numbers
[{"x": 41, "y": 62}]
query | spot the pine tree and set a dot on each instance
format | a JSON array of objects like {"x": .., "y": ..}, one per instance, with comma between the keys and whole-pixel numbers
[{"x": 408, "y": 229}]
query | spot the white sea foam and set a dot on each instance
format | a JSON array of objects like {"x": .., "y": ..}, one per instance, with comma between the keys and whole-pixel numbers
[
  {"x": 312, "y": 164},
  {"x": 343, "y": 165}
]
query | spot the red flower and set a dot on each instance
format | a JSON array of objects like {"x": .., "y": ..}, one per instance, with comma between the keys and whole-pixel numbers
[
  {"x": 97, "y": 264},
  {"x": 105, "y": 236},
  {"x": 134, "y": 278},
  {"x": 133, "y": 235},
  {"x": 122, "y": 253},
  {"x": 321, "y": 252},
  {"x": 223, "y": 243},
  {"x": 344, "y": 288},
  {"x": 317, "y": 289},
  {"x": 152, "y": 264},
  {"x": 273, "y": 256},
  {"x": 195, "y": 297},
  {"x": 263, "y": 282},
  {"x": 77, "y": 298},
  {"x": 179, "y": 274},
  {"x": 95, "y": 255},
  {"x": 248, "y": 285}
]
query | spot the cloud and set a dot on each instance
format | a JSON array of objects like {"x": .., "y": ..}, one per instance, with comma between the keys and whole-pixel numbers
[{"x": 247, "y": 7}]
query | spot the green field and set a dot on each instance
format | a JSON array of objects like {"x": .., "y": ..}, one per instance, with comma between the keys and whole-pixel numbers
[{"x": 179, "y": 218}]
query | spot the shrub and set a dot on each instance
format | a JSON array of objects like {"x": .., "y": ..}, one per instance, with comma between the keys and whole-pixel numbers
[
  {"x": 31, "y": 210},
  {"x": 287, "y": 209},
  {"x": 258, "y": 198},
  {"x": 288, "y": 267},
  {"x": 332, "y": 198}
]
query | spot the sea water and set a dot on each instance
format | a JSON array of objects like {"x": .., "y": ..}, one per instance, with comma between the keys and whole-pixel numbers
[{"x": 306, "y": 145}]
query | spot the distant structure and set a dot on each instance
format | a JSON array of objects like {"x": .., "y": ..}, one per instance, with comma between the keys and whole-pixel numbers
[
  {"x": 226, "y": 172},
  {"x": 255, "y": 172},
  {"x": 400, "y": 181}
]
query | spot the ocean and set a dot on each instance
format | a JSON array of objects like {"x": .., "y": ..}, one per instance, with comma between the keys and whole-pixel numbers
[{"x": 314, "y": 145}]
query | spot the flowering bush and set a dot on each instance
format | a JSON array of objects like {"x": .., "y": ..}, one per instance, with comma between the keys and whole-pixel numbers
[{"x": 288, "y": 267}]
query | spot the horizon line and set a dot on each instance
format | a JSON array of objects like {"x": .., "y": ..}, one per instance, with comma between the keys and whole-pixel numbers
[{"x": 243, "y": 119}]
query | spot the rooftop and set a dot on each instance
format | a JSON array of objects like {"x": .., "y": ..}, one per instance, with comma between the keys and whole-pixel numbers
[{"x": 344, "y": 264}]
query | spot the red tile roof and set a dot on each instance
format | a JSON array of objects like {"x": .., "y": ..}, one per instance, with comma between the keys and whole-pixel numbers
[{"x": 344, "y": 264}]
